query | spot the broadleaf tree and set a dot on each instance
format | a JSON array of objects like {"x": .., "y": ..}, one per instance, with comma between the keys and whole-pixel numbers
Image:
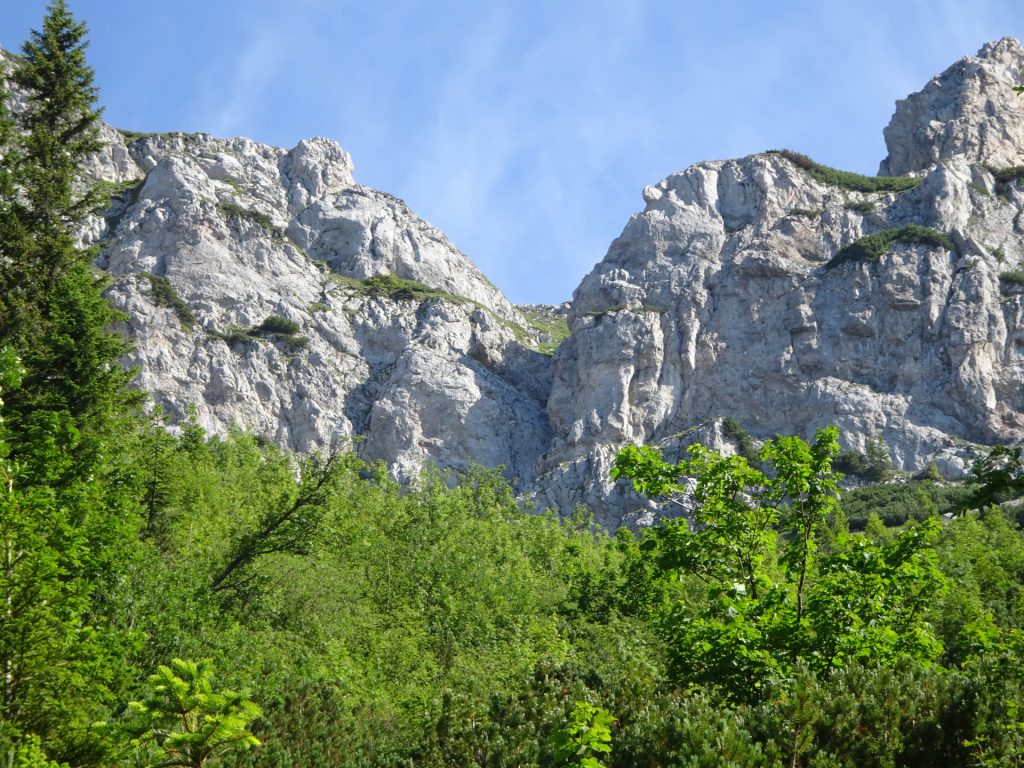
[{"x": 770, "y": 602}]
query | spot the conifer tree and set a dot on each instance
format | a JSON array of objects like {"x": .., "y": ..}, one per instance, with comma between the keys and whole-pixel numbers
[
  {"x": 53, "y": 312},
  {"x": 66, "y": 511}
]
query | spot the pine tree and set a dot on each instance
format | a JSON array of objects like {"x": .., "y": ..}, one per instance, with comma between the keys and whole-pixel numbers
[
  {"x": 67, "y": 514},
  {"x": 53, "y": 312}
]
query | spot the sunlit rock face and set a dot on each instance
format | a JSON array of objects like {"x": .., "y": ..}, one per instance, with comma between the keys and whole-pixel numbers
[
  {"x": 431, "y": 364},
  {"x": 265, "y": 288},
  {"x": 718, "y": 300},
  {"x": 970, "y": 111}
]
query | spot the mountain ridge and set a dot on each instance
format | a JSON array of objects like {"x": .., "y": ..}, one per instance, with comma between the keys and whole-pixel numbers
[{"x": 722, "y": 298}]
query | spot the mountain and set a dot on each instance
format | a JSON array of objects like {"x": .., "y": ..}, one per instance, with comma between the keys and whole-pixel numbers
[{"x": 266, "y": 288}]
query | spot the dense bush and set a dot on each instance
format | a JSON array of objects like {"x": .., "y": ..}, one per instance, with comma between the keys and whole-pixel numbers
[
  {"x": 854, "y": 182},
  {"x": 1006, "y": 176},
  {"x": 894, "y": 503},
  {"x": 872, "y": 247},
  {"x": 278, "y": 324}
]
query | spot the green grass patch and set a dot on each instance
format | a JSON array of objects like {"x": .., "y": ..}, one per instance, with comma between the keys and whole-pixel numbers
[
  {"x": 549, "y": 324},
  {"x": 164, "y": 295},
  {"x": 854, "y": 182},
  {"x": 401, "y": 289},
  {"x": 318, "y": 306},
  {"x": 132, "y": 136},
  {"x": 119, "y": 189},
  {"x": 872, "y": 247}
]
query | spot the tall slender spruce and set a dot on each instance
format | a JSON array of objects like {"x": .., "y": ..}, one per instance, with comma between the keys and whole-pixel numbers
[{"x": 65, "y": 519}]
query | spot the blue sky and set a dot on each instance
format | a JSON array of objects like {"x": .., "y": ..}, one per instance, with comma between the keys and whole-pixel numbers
[{"x": 527, "y": 130}]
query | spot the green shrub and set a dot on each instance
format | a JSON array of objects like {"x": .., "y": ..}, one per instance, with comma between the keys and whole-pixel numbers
[
  {"x": 400, "y": 289},
  {"x": 318, "y": 306},
  {"x": 1005, "y": 177},
  {"x": 746, "y": 446},
  {"x": 1014, "y": 278},
  {"x": 854, "y": 182},
  {"x": 275, "y": 328},
  {"x": 863, "y": 207},
  {"x": 277, "y": 324},
  {"x": 807, "y": 213},
  {"x": 873, "y": 465},
  {"x": 164, "y": 295},
  {"x": 237, "y": 211},
  {"x": 872, "y": 247}
]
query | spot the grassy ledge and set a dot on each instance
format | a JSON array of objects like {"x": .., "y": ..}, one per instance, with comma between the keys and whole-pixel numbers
[
  {"x": 854, "y": 182},
  {"x": 400, "y": 289},
  {"x": 553, "y": 328},
  {"x": 872, "y": 247}
]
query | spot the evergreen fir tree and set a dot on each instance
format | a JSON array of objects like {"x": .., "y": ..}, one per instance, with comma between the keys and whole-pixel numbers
[
  {"x": 68, "y": 519},
  {"x": 52, "y": 311}
]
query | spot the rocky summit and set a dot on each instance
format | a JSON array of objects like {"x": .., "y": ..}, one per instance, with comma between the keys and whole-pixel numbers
[{"x": 266, "y": 289}]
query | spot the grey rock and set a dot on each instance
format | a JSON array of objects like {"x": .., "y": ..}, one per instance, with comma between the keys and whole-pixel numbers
[{"x": 969, "y": 111}]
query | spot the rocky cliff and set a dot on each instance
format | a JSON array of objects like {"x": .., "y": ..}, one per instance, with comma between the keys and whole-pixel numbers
[
  {"x": 266, "y": 288},
  {"x": 787, "y": 296}
]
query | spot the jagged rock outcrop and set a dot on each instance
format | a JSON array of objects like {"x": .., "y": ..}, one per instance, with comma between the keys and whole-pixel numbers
[
  {"x": 970, "y": 111},
  {"x": 378, "y": 327},
  {"x": 722, "y": 299}
]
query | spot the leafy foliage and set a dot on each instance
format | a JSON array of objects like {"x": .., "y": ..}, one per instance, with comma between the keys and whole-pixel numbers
[
  {"x": 587, "y": 734},
  {"x": 187, "y": 721},
  {"x": 895, "y": 503},
  {"x": 769, "y": 599},
  {"x": 997, "y": 477}
]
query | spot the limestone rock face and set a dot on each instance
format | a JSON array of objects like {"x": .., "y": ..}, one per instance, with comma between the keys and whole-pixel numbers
[
  {"x": 426, "y": 363},
  {"x": 719, "y": 300},
  {"x": 969, "y": 111}
]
